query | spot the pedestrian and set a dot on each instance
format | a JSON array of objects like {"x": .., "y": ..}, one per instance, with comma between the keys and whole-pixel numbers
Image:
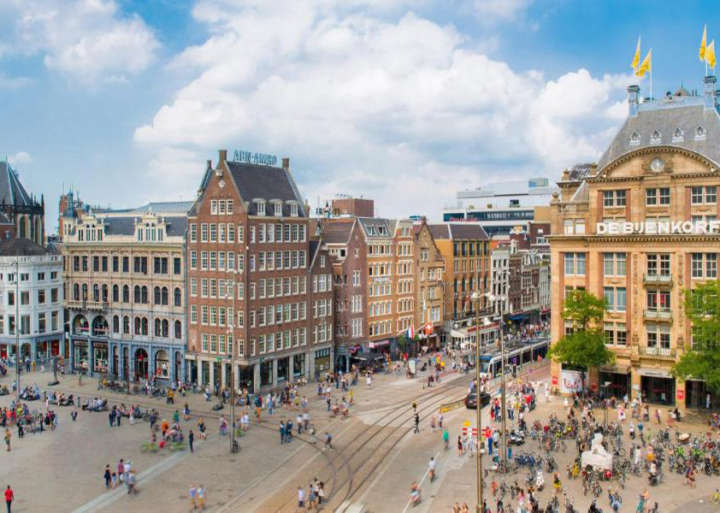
[
  {"x": 73, "y": 415},
  {"x": 200, "y": 495},
  {"x": 121, "y": 470},
  {"x": 9, "y": 496},
  {"x": 192, "y": 494},
  {"x": 301, "y": 497},
  {"x": 417, "y": 423},
  {"x": 7, "y": 439},
  {"x": 328, "y": 440},
  {"x": 111, "y": 417},
  {"x": 108, "y": 476},
  {"x": 191, "y": 439},
  {"x": 114, "y": 479}
]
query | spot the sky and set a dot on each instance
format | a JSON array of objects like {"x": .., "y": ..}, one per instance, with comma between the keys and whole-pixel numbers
[{"x": 405, "y": 102}]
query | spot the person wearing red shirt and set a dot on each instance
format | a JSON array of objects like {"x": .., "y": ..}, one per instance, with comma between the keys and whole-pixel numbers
[{"x": 9, "y": 496}]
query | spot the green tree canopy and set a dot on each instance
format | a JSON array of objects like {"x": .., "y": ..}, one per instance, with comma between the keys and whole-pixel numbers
[
  {"x": 702, "y": 360},
  {"x": 584, "y": 347}
]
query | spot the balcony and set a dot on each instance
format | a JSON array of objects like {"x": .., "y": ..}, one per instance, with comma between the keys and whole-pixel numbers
[
  {"x": 658, "y": 279},
  {"x": 658, "y": 315},
  {"x": 665, "y": 353}
]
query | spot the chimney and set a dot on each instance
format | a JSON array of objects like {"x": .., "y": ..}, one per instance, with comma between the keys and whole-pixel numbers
[
  {"x": 222, "y": 156},
  {"x": 710, "y": 91},
  {"x": 286, "y": 163},
  {"x": 633, "y": 93}
]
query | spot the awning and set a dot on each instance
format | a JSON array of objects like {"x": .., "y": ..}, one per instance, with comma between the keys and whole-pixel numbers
[
  {"x": 373, "y": 345},
  {"x": 518, "y": 317},
  {"x": 615, "y": 369},
  {"x": 655, "y": 373}
]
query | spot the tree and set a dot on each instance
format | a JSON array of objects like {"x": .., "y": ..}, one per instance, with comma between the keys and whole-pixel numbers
[
  {"x": 584, "y": 347},
  {"x": 702, "y": 360}
]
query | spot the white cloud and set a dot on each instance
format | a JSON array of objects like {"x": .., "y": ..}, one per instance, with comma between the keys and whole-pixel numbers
[
  {"x": 494, "y": 10},
  {"x": 13, "y": 82},
  {"x": 87, "y": 40},
  {"x": 21, "y": 157},
  {"x": 392, "y": 106}
]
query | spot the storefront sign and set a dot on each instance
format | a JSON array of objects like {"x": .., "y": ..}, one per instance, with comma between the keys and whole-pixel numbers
[
  {"x": 658, "y": 228},
  {"x": 570, "y": 381}
]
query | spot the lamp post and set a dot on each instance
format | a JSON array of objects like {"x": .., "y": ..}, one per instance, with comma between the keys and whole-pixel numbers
[
  {"x": 17, "y": 327},
  {"x": 606, "y": 384},
  {"x": 476, "y": 296},
  {"x": 492, "y": 298}
]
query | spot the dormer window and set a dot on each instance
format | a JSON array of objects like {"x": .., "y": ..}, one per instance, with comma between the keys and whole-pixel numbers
[
  {"x": 634, "y": 139},
  {"x": 293, "y": 209},
  {"x": 655, "y": 138},
  {"x": 678, "y": 136},
  {"x": 260, "y": 206},
  {"x": 700, "y": 134},
  {"x": 277, "y": 208}
]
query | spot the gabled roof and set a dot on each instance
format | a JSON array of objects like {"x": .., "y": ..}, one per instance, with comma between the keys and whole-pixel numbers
[
  {"x": 663, "y": 118},
  {"x": 337, "y": 232},
  {"x": 458, "y": 231},
  {"x": 21, "y": 247},
  {"x": 377, "y": 227},
  {"x": 125, "y": 225},
  {"x": 255, "y": 181},
  {"x": 12, "y": 191}
]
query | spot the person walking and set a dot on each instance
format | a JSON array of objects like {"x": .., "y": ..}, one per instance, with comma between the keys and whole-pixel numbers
[
  {"x": 417, "y": 423},
  {"x": 200, "y": 495},
  {"x": 192, "y": 493},
  {"x": 9, "y": 497},
  {"x": 8, "y": 436},
  {"x": 108, "y": 476},
  {"x": 191, "y": 439}
]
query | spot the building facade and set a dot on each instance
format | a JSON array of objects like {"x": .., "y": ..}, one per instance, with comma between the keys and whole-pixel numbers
[
  {"x": 260, "y": 290},
  {"x": 638, "y": 229},
  {"x": 125, "y": 293},
  {"x": 31, "y": 307},
  {"x": 430, "y": 280},
  {"x": 466, "y": 254},
  {"x": 500, "y": 207}
]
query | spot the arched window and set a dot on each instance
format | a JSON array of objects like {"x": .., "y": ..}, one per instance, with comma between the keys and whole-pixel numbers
[
  {"x": 634, "y": 139},
  {"x": 138, "y": 297},
  {"x": 699, "y": 133},
  {"x": 116, "y": 324},
  {"x": 144, "y": 326},
  {"x": 656, "y": 137},
  {"x": 144, "y": 295},
  {"x": 178, "y": 329},
  {"x": 126, "y": 325},
  {"x": 156, "y": 295},
  {"x": 84, "y": 292},
  {"x": 105, "y": 293},
  {"x": 76, "y": 292},
  {"x": 138, "y": 326},
  {"x": 96, "y": 292},
  {"x": 116, "y": 294},
  {"x": 165, "y": 328},
  {"x": 164, "y": 296},
  {"x": 157, "y": 327},
  {"x": 678, "y": 135},
  {"x": 178, "y": 297},
  {"x": 126, "y": 294}
]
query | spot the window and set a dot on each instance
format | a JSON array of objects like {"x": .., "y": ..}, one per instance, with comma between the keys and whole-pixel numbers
[
  {"x": 193, "y": 232},
  {"x": 615, "y": 333},
  {"x": 41, "y": 296},
  {"x": 615, "y": 297},
  {"x": 704, "y": 265},
  {"x": 660, "y": 196},
  {"x": 658, "y": 336},
  {"x": 177, "y": 265},
  {"x": 699, "y": 134},
  {"x": 658, "y": 300},
  {"x": 213, "y": 207},
  {"x": 656, "y": 137},
  {"x": 575, "y": 264},
  {"x": 615, "y": 198},
  {"x": 614, "y": 264},
  {"x": 701, "y": 195},
  {"x": 658, "y": 264}
]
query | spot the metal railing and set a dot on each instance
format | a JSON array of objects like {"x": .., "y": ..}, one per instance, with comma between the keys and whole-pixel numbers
[{"x": 664, "y": 314}]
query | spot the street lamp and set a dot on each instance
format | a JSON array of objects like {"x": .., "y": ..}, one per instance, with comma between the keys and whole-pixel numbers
[
  {"x": 605, "y": 403},
  {"x": 503, "y": 405},
  {"x": 476, "y": 296}
]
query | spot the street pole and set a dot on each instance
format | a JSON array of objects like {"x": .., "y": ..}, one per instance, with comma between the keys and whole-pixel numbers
[
  {"x": 502, "y": 396},
  {"x": 231, "y": 331},
  {"x": 17, "y": 326},
  {"x": 478, "y": 409}
]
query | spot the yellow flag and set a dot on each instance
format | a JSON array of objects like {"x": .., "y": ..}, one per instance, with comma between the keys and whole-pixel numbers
[
  {"x": 645, "y": 65},
  {"x": 710, "y": 54},
  {"x": 703, "y": 44},
  {"x": 636, "y": 58}
]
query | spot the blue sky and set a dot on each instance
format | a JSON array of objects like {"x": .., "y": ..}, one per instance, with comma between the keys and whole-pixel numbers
[{"x": 125, "y": 100}]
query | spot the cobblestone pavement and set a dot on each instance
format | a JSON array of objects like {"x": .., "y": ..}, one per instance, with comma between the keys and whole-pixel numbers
[{"x": 375, "y": 459}]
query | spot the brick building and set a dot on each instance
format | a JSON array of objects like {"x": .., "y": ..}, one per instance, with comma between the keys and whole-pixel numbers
[
  {"x": 430, "y": 285},
  {"x": 260, "y": 289}
]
